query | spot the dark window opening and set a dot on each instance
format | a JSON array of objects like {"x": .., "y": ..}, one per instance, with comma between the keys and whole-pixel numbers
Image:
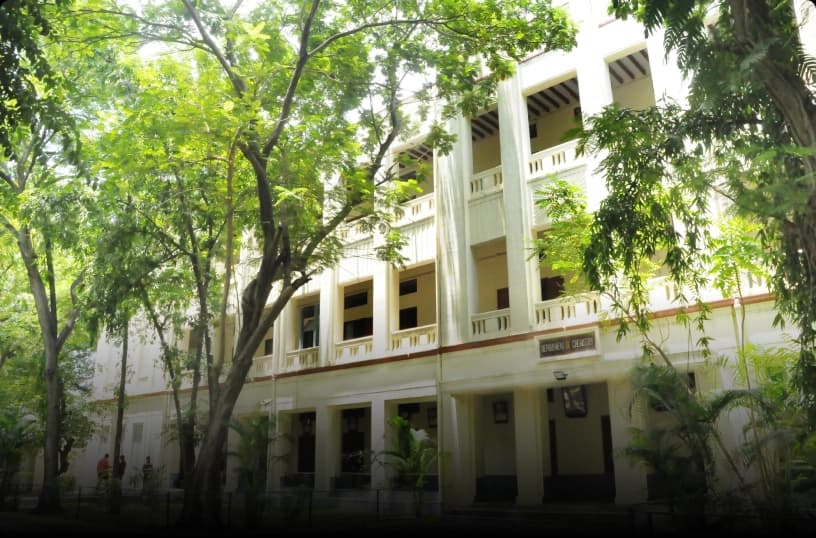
[
  {"x": 358, "y": 328},
  {"x": 407, "y": 409},
  {"x": 355, "y": 299},
  {"x": 408, "y": 286},
  {"x": 408, "y": 318},
  {"x": 309, "y": 326},
  {"x": 502, "y": 298},
  {"x": 551, "y": 287},
  {"x": 533, "y": 130},
  {"x": 268, "y": 346}
]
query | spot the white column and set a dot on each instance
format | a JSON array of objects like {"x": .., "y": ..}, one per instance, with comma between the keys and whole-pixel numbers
[
  {"x": 327, "y": 446},
  {"x": 455, "y": 272},
  {"x": 280, "y": 450},
  {"x": 595, "y": 90},
  {"x": 529, "y": 454},
  {"x": 378, "y": 434},
  {"x": 515, "y": 149},
  {"x": 381, "y": 307},
  {"x": 329, "y": 299},
  {"x": 630, "y": 478},
  {"x": 460, "y": 468}
]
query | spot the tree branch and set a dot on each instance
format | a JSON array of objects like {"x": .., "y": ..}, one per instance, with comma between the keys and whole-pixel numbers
[
  {"x": 237, "y": 82},
  {"x": 303, "y": 58}
]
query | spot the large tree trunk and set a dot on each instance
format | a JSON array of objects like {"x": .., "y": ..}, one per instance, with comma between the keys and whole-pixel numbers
[
  {"x": 49, "y": 501},
  {"x": 116, "y": 481},
  {"x": 202, "y": 499}
]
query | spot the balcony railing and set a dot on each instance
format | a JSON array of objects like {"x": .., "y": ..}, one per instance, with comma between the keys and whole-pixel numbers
[
  {"x": 353, "y": 350},
  {"x": 553, "y": 159},
  {"x": 263, "y": 366},
  {"x": 573, "y": 309},
  {"x": 300, "y": 359},
  {"x": 417, "y": 209},
  {"x": 485, "y": 182},
  {"x": 492, "y": 323},
  {"x": 353, "y": 231},
  {"x": 414, "y": 338}
]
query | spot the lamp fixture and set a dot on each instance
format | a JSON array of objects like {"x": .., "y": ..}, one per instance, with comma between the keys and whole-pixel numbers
[{"x": 560, "y": 375}]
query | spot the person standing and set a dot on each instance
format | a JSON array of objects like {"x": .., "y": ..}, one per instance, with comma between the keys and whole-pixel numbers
[
  {"x": 103, "y": 467},
  {"x": 120, "y": 468}
]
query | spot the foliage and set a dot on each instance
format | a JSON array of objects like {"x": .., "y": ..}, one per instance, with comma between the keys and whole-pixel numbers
[
  {"x": 747, "y": 134},
  {"x": 563, "y": 244},
  {"x": 255, "y": 436},
  {"x": 413, "y": 458},
  {"x": 18, "y": 433}
]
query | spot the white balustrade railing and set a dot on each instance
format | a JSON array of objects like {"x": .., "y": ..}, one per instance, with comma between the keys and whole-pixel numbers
[
  {"x": 353, "y": 231},
  {"x": 352, "y": 350},
  {"x": 414, "y": 338},
  {"x": 485, "y": 182},
  {"x": 417, "y": 209},
  {"x": 496, "y": 322},
  {"x": 572, "y": 309},
  {"x": 301, "y": 359},
  {"x": 553, "y": 159},
  {"x": 263, "y": 366}
]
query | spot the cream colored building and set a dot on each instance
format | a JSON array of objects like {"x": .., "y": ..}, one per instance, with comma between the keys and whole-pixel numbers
[{"x": 470, "y": 340}]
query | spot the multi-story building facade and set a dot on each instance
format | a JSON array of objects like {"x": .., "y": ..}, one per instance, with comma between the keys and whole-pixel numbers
[{"x": 526, "y": 391}]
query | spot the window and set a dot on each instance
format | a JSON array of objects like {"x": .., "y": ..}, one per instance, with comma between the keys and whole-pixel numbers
[
  {"x": 575, "y": 402},
  {"x": 268, "y": 346},
  {"x": 408, "y": 318},
  {"x": 309, "y": 325},
  {"x": 551, "y": 287},
  {"x": 407, "y": 409},
  {"x": 358, "y": 328},
  {"x": 355, "y": 299},
  {"x": 502, "y": 298},
  {"x": 408, "y": 286}
]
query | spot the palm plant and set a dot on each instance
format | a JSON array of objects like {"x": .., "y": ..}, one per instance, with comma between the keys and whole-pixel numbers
[
  {"x": 252, "y": 461},
  {"x": 413, "y": 459},
  {"x": 16, "y": 434}
]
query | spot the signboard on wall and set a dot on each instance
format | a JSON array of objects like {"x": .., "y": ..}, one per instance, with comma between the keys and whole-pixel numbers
[{"x": 548, "y": 347}]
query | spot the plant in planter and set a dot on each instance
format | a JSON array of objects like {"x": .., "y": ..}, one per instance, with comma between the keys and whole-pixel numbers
[{"x": 413, "y": 458}]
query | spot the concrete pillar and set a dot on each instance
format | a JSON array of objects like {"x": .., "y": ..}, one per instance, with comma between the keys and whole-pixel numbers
[
  {"x": 595, "y": 91},
  {"x": 515, "y": 150},
  {"x": 383, "y": 300},
  {"x": 327, "y": 446},
  {"x": 529, "y": 453},
  {"x": 630, "y": 478},
  {"x": 378, "y": 437},
  {"x": 460, "y": 469},
  {"x": 280, "y": 450},
  {"x": 457, "y": 294},
  {"x": 329, "y": 300}
]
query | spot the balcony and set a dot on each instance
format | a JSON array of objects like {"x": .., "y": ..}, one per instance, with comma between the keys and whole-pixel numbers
[
  {"x": 553, "y": 160},
  {"x": 301, "y": 359},
  {"x": 417, "y": 209},
  {"x": 486, "y": 182},
  {"x": 569, "y": 310},
  {"x": 263, "y": 366},
  {"x": 414, "y": 339},
  {"x": 353, "y": 350},
  {"x": 490, "y": 324}
]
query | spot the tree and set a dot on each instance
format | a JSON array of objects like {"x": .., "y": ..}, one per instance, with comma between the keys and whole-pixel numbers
[
  {"x": 748, "y": 134},
  {"x": 314, "y": 92}
]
